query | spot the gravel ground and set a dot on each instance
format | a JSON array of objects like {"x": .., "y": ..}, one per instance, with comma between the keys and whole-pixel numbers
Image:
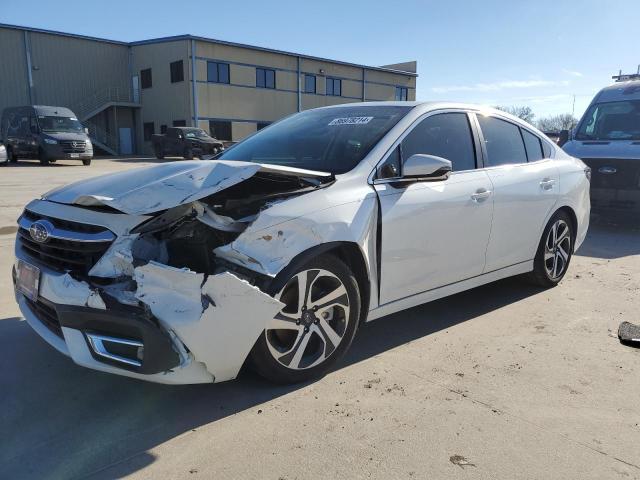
[{"x": 505, "y": 381}]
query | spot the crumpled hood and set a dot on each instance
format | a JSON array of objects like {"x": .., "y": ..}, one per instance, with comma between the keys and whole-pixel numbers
[
  {"x": 147, "y": 190},
  {"x": 625, "y": 149}
]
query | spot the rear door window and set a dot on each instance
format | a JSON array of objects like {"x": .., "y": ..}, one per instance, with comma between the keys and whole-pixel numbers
[
  {"x": 533, "y": 145},
  {"x": 503, "y": 142},
  {"x": 446, "y": 135}
]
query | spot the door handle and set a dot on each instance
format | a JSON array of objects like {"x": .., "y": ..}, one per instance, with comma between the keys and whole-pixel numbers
[
  {"x": 480, "y": 195},
  {"x": 547, "y": 183}
]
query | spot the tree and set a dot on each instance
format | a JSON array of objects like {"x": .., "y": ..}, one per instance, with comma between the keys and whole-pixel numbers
[
  {"x": 555, "y": 123},
  {"x": 522, "y": 112}
]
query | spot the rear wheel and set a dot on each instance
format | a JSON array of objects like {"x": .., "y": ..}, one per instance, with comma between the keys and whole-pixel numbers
[
  {"x": 188, "y": 154},
  {"x": 159, "y": 153},
  {"x": 316, "y": 326},
  {"x": 44, "y": 160},
  {"x": 554, "y": 251}
]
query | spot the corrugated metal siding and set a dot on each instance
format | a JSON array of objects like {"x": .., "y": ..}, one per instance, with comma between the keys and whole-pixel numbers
[
  {"x": 14, "y": 88},
  {"x": 68, "y": 70}
]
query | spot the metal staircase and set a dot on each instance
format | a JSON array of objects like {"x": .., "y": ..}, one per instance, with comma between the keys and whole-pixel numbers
[{"x": 87, "y": 108}]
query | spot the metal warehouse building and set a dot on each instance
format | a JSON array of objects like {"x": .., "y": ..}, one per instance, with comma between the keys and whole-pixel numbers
[{"x": 125, "y": 92}]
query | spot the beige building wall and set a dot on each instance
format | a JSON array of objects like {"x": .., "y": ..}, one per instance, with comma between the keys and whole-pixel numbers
[
  {"x": 164, "y": 102},
  {"x": 244, "y": 105}
]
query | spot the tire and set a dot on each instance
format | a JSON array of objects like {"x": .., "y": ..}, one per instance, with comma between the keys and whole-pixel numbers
[
  {"x": 44, "y": 160},
  {"x": 312, "y": 340},
  {"x": 159, "y": 154},
  {"x": 554, "y": 251},
  {"x": 13, "y": 158},
  {"x": 86, "y": 162},
  {"x": 188, "y": 154}
]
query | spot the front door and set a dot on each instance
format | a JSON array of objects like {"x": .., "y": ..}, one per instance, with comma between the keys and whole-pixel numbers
[
  {"x": 126, "y": 141},
  {"x": 433, "y": 233}
]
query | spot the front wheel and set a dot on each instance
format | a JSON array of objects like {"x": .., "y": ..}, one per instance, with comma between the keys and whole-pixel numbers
[
  {"x": 316, "y": 326},
  {"x": 44, "y": 160},
  {"x": 554, "y": 251},
  {"x": 86, "y": 162},
  {"x": 188, "y": 154},
  {"x": 12, "y": 157}
]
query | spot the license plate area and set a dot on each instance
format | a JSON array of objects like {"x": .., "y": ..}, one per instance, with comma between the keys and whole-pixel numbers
[
  {"x": 28, "y": 279},
  {"x": 74, "y": 155}
]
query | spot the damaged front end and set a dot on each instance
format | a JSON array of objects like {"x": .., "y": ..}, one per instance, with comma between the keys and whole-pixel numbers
[{"x": 129, "y": 281}]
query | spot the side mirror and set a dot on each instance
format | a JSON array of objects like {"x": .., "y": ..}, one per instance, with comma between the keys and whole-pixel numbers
[
  {"x": 426, "y": 167},
  {"x": 563, "y": 138},
  {"x": 86, "y": 130}
]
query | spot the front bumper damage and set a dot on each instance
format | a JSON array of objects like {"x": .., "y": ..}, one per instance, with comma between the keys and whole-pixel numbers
[{"x": 158, "y": 304}]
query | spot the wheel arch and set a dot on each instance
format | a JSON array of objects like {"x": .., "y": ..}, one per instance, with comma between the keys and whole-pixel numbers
[
  {"x": 574, "y": 221},
  {"x": 347, "y": 252}
]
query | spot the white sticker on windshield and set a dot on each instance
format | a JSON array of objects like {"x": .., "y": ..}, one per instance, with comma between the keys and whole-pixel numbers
[{"x": 351, "y": 121}]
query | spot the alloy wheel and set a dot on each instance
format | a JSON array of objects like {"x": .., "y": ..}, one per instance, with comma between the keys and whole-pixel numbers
[
  {"x": 557, "y": 249},
  {"x": 313, "y": 322}
]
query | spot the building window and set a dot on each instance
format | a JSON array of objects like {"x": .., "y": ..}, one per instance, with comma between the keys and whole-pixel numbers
[
  {"x": 177, "y": 71},
  {"x": 261, "y": 125},
  {"x": 148, "y": 129},
  {"x": 217, "y": 72},
  {"x": 401, "y": 93},
  {"x": 265, "y": 78},
  {"x": 145, "y": 78},
  {"x": 220, "y": 129},
  {"x": 334, "y": 87},
  {"x": 179, "y": 123},
  {"x": 309, "y": 83},
  {"x": 163, "y": 129}
]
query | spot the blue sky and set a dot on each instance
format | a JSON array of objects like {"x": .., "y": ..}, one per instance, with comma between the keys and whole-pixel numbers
[{"x": 537, "y": 53}]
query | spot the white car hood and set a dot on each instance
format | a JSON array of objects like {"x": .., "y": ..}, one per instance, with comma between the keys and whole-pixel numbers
[{"x": 152, "y": 189}]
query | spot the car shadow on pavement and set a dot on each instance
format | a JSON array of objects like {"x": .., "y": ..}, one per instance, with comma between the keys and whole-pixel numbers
[
  {"x": 612, "y": 237},
  {"x": 59, "y": 420}
]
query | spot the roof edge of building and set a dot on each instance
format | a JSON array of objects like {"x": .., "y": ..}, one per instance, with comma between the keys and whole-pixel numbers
[
  {"x": 269, "y": 50},
  {"x": 210, "y": 40}
]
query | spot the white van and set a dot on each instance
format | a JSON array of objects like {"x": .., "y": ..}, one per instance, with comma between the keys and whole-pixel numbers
[{"x": 607, "y": 139}]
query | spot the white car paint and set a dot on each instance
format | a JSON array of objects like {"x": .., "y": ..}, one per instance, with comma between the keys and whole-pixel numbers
[{"x": 437, "y": 238}]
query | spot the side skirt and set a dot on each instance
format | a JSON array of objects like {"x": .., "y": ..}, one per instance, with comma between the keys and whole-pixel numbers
[{"x": 451, "y": 289}]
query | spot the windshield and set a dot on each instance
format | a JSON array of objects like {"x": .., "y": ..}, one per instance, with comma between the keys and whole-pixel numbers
[
  {"x": 611, "y": 121},
  {"x": 331, "y": 140},
  {"x": 196, "y": 132},
  {"x": 60, "y": 124}
]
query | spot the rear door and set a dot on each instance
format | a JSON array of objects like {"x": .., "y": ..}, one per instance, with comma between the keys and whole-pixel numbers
[
  {"x": 525, "y": 189},
  {"x": 433, "y": 233}
]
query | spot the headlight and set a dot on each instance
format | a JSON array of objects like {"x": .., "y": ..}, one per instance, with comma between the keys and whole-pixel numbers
[
  {"x": 88, "y": 145},
  {"x": 50, "y": 141}
]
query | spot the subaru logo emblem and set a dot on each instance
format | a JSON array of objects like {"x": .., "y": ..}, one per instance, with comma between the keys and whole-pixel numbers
[
  {"x": 40, "y": 231},
  {"x": 607, "y": 170}
]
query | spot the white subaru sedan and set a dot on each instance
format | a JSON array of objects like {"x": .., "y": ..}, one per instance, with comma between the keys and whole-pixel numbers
[{"x": 273, "y": 253}]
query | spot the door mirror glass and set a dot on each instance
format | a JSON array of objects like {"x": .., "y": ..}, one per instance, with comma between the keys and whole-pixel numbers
[
  {"x": 426, "y": 167},
  {"x": 86, "y": 130}
]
